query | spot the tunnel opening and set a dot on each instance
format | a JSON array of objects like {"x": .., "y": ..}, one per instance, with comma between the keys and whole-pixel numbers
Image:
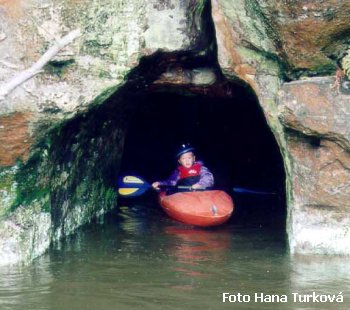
[
  {"x": 230, "y": 134},
  {"x": 167, "y": 100}
]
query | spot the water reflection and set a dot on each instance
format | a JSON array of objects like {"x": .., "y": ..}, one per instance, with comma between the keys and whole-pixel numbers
[
  {"x": 141, "y": 259},
  {"x": 194, "y": 247},
  {"x": 324, "y": 274},
  {"x": 24, "y": 287}
]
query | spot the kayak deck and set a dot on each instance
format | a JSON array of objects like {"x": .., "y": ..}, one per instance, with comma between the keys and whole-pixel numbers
[{"x": 199, "y": 208}]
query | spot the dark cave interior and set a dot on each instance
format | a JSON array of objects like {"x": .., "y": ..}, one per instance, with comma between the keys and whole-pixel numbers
[{"x": 230, "y": 135}]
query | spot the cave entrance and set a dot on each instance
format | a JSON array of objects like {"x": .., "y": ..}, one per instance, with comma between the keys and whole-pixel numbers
[{"x": 231, "y": 136}]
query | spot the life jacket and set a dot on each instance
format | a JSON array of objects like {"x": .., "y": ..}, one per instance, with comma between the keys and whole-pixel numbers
[{"x": 189, "y": 176}]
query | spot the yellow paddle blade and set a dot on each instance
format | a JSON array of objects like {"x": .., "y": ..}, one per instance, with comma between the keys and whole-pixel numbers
[
  {"x": 127, "y": 191},
  {"x": 132, "y": 179}
]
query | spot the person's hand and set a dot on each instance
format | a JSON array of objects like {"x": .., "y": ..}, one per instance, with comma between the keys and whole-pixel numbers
[
  {"x": 196, "y": 186},
  {"x": 156, "y": 185}
]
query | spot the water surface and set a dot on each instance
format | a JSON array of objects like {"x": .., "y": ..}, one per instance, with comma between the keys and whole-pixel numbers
[{"x": 138, "y": 258}]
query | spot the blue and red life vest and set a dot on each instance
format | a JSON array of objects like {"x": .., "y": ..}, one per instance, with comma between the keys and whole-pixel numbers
[
  {"x": 192, "y": 171},
  {"x": 189, "y": 176}
]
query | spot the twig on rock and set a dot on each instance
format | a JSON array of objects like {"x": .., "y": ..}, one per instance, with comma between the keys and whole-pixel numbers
[{"x": 36, "y": 68}]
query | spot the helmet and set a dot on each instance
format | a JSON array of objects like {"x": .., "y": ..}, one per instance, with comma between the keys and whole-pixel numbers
[{"x": 184, "y": 148}]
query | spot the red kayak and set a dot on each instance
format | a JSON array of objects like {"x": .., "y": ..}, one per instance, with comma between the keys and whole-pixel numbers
[{"x": 200, "y": 208}]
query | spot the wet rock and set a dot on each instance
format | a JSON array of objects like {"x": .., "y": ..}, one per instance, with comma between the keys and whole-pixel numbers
[
  {"x": 8, "y": 190},
  {"x": 314, "y": 108},
  {"x": 183, "y": 76},
  {"x": 115, "y": 36},
  {"x": 25, "y": 235},
  {"x": 316, "y": 120},
  {"x": 50, "y": 122},
  {"x": 259, "y": 42}
]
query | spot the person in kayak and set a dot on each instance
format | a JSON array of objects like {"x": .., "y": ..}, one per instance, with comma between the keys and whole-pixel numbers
[{"x": 189, "y": 171}]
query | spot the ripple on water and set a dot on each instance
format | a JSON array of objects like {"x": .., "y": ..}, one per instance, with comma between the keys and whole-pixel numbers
[{"x": 141, "y": 259}]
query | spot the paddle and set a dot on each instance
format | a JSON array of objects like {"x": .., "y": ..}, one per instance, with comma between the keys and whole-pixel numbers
[
  {"x": 131, "y": 186},
  {"x": 242, "y": 190}
]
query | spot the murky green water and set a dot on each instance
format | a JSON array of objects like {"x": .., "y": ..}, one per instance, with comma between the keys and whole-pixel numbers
[{"x": 140, "y": 259}]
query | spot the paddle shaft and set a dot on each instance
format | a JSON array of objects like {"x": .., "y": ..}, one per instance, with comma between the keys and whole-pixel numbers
[
  {"x": 242, "y": 190},
  {"x": 135, "y": 186},
  {"x": 147, "y": 185},
  {"x": 131, "y": 186}
]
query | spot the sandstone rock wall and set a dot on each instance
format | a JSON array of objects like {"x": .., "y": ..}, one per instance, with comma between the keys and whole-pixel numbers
[
  {"x": 316, "y": 117},
  {"x": 116, "y": 34},
  {"x": 260, "y": 43},
  {"x": 66, "y": 182},
  {"x": 263, "y": 43}
]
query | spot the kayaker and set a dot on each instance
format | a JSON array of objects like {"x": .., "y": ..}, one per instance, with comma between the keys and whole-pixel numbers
[{"x": 189, "y": 171}]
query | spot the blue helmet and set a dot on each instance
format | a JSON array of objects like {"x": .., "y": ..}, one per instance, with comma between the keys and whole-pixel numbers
[{"x": 184, "y": 148}]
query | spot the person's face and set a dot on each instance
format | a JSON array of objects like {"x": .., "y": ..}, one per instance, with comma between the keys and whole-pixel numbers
[{"x": 187, "y": 159}]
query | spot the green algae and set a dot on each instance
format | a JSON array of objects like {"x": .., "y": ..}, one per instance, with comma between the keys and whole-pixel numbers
[
  {"x": 198, "y": 7},
  {"x": 7, "y": 190},
  {"x": 64, "y": 166},
  {"x": 33, "y": 182},
  {"x": 104, "y": 95}
]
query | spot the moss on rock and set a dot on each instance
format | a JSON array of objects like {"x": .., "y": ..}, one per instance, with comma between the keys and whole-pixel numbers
[{"x": 8, "y": 190}]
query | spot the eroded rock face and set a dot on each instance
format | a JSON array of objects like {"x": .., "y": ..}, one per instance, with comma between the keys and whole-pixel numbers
[
  {"x": 48, "y": 133},
  {"x": 309, "y": 35},
  {"x": 246, "y": 51},
  {"x": 262, "y": 41},
  {"x": 25, "y": 235},
  {"x": 55, "y": 159},
  {"x": 306, "y": 37},
  {"x": 316, "y": 118},
  {"x": 115, "y": 35}
]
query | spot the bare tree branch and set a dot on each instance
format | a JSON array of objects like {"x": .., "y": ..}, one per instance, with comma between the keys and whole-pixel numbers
[{"x": 36, "y": 68}]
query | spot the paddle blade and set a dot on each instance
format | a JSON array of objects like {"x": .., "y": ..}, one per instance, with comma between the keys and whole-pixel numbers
[
  {"x": 131, "y": 191},
  {"x": 132, "y": 186},
  {"x": 131, "y": 179}
]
